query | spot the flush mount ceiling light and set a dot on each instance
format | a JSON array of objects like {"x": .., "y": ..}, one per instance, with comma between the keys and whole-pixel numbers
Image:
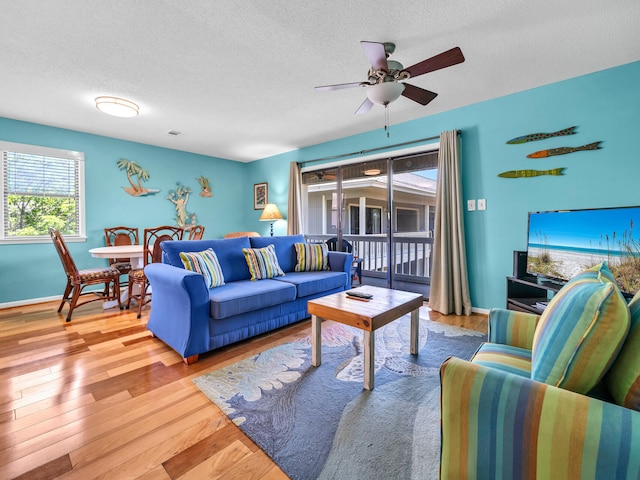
[
  {"x": 372, "y": 171},
  {"x": 118, "y": 107}
]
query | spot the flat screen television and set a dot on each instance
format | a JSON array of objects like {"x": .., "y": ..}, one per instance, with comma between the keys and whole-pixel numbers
[{"x": 563, "y": 243}]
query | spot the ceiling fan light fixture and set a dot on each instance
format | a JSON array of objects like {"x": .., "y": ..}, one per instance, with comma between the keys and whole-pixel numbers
[
  {"x": 118, "y": 107},
  {"x": 384, "y": 93}
]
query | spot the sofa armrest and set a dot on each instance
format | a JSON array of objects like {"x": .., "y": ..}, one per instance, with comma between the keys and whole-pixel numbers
[
  {"x": 508, "y": 327},
  {"x": 179, "y": 308},
  {"x": 341, "y": 262},
  {"x": 499, "y": 425}
]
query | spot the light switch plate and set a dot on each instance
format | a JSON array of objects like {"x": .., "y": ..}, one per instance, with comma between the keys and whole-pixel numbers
[
  {"x": 471, "y": 205},
  {"x": 482, "y": 204}
]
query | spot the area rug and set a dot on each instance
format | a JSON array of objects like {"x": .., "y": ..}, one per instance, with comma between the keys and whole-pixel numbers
[{"x": 319, "y": 422}]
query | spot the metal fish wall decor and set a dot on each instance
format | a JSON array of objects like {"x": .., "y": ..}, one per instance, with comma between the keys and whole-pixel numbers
[
  {"x": 541, "y": 136},
  {"x": 531, "y": 173},
  {"x": 564, "y": 150}
]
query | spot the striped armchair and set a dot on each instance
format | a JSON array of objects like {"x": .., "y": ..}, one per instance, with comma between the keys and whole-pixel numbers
[{"x": 497, "y": 423}]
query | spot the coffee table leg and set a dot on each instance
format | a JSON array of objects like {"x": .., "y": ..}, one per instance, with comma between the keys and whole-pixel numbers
[
  {"x": 316, "y": 340},
  {"x": 369, "y": 359},
  {"x": 415, "y": 323}
]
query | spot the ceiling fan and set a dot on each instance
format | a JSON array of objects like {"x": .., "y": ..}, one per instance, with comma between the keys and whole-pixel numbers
[{"x": 385, "y": 81}]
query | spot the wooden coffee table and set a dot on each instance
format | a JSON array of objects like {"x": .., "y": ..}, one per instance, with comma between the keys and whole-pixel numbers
[{"x": 386, "y": 306}]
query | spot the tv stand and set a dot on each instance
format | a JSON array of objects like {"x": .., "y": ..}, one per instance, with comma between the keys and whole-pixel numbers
[{"x": 530, "y": 294}]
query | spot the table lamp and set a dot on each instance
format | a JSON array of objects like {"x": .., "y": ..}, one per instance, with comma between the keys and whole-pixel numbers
[{"x": 270, "y": 214}]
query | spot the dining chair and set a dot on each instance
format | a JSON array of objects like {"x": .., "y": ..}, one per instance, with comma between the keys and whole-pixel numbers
[
  {"x": 121, "y": 236},
  {"x": 356, "y": 266},
  {"x": 153, "y": 237},
  {"x": 77, "y": 280},
  {"x": 196, "y": 232}
]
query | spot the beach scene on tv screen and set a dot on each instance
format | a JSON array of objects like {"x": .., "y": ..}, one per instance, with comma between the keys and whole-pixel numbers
[{"x": 562, "y": 244}]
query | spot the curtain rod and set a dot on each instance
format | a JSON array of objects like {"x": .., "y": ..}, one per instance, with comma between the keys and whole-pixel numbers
[{"x": 371, "y": 150}]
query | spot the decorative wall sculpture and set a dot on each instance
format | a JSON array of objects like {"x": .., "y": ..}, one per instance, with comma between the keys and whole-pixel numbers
[
  {"x": 134, "y": 170},
  {"x": 206, "y": 188},
  {"x": 179, "y": 197}
]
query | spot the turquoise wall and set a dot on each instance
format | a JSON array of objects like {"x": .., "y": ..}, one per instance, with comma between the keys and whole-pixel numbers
[
  {"x": 604, "y": 105},
  {"x": 34, "y": 270}
]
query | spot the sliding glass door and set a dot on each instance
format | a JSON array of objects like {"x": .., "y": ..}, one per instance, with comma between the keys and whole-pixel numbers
[{"x": 383, "y": 210}]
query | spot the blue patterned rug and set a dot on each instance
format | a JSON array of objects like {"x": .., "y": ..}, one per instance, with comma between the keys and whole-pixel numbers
[{"x": 319, "y": 423}]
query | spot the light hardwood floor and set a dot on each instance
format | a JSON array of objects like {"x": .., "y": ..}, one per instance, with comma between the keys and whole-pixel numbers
[{"x": 99, "y": 397}]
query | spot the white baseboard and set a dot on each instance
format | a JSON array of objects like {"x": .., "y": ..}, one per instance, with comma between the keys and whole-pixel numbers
[{"x": 30, "y": 301}]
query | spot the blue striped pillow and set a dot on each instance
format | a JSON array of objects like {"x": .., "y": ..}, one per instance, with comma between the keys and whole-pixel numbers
[
  {"x": 580, "y": 332},
  {"x": 262, "y": 262},
  {"x": 205, "y": 263},
  {"x": 311, "y": 257}
]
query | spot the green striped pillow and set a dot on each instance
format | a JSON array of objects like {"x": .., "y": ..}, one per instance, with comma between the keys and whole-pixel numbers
[
  {"x": 580, "y": 332},
  {"x": 262, "y": 262},
  {"x": 205, "y": 263},
  {"x": 623, "y": 378},
  {"x": 311, "y": 257}
]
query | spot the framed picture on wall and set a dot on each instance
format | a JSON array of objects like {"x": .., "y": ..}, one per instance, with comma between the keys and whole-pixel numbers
[{"x": 260, "y": 195}]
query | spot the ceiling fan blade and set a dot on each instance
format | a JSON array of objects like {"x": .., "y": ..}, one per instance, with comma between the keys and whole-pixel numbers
[
  {"x": 339, "y": 86},
  {"x": 376, "y": 54},
  {"x": 443, "y": 60},
  {"x": 418, "y": 94},
  {"x": 365, "y": 107}
]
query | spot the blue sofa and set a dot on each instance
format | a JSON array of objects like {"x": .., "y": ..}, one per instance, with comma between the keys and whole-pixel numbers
[{"x": 193, "y": 319}]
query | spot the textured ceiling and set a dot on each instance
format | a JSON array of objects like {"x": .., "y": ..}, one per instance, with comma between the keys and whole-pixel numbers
[{"x": 237, "y": 78}]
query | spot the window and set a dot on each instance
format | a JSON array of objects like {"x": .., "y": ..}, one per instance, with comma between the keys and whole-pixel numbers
[
  {"x": 373, "y": 218},
  {"x": 41, "y": 188}
]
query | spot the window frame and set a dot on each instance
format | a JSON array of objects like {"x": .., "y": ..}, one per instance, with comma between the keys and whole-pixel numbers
[{"x": 28, "y": 149}]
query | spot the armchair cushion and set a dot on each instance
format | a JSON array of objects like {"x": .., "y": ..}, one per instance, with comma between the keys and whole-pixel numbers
[
  {"x": 623, "y": 378},
  {"x": 580, "y": 332},
  {"x": 504, "y": 357}
]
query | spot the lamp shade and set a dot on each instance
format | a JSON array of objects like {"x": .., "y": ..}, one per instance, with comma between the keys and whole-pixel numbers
[
  {"x": 270, "y": 213},
  {"x": 118, "y": 107},
  {"x": 384, "y": 93}
]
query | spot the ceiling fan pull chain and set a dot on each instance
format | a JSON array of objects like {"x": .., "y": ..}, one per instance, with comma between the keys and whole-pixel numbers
[{"x": 386, "y": 119}]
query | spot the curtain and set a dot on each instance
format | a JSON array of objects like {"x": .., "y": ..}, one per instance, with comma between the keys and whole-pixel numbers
[
  {"x": 294, "y": 206},
  {"x": 449, "y": 291}
]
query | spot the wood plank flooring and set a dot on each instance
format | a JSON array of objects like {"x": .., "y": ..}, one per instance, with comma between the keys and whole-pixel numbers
[{"x": 99, "y": 397}]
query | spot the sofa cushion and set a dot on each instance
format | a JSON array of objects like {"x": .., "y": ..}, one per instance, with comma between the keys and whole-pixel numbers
[
  {"x": 206, "y": 264},
  {"x": 507, "y": 358},
  {"x": 262, "y": 262},
  {"x": 311, "y": 283},
  {"x": 228, "y": 251},
  {"x": 623, "y": 378},
  {"x": 246, "y": 296},
  {"x": 311, "y": 257},
  {"x": 580, "y": 332},
  {"x": 285, "y": 251}
]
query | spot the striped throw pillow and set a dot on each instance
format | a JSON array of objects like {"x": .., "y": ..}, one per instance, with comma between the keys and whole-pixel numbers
[
  {"x": 623, "y": 378},
  {"x": 205, "y": 263},
  {"x": 311, "y": 257},
  {"x": 580, "y": 332},
  {"x": 262, "y": 262}
]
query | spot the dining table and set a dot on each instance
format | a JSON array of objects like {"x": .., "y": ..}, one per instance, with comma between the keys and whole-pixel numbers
[{"x": 133, "y": 252}]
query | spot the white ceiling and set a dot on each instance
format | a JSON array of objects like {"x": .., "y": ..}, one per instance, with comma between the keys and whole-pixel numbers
[{"x": 237, "y": 78}]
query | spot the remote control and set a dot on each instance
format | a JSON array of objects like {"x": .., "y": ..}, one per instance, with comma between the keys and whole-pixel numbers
[{"x": 355, "y": 293}]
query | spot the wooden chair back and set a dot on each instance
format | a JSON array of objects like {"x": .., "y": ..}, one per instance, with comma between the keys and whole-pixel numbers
[
  {"x": 153, "y": 237},
  {"x": 196, "y": 232},
  {"x": 120, "y": 236},
  {"x": 63, "y": 252},
  {"x": 241, "y": 234}
]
